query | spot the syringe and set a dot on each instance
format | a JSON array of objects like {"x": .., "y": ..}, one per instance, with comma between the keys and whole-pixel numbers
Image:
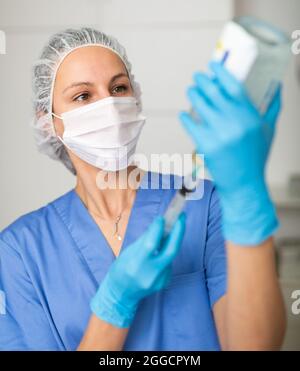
[{"x": 190, "y": 183}]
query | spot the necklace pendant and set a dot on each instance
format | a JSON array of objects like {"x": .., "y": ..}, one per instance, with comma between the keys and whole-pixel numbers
[{"x": 117, "y": 227}]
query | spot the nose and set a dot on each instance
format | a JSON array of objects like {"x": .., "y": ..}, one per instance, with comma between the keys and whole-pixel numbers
[{"x": 103, "y": 92}]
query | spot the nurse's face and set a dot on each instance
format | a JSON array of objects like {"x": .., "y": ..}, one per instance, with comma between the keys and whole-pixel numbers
[{"x": 86, "y": 75}]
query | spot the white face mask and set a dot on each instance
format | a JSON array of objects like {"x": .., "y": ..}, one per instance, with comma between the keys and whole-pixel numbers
[{"x": 104, "y": 133}]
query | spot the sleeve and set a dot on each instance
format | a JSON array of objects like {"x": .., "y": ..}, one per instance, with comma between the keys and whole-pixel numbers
[
  {"x": 23, "y": 322},
  {"x": 215, "y": 259}
]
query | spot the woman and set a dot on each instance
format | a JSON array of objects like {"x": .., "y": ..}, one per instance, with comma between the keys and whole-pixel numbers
[{"x": 93, "y": 270}]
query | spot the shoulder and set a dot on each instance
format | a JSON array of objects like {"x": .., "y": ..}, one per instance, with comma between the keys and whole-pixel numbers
[
  {"x": 31, "y": 225},
  {"x": 205, "y": 192},
  {"x": 203, "y": 201},
  {"x": 172, "y": 182}
]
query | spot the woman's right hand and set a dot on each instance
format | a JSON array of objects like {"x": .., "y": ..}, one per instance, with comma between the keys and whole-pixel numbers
[{"x": 140, "y": 270}]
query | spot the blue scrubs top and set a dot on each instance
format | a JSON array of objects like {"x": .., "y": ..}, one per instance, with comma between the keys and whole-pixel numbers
[{"x": 53, "y": 260}]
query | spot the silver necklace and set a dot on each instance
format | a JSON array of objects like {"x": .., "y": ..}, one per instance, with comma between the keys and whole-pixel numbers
[
  {"x": 117, "y": 234},
  {"x": 116, "y": 223}
]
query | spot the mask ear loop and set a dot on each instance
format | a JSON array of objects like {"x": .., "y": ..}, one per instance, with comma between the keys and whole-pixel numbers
[{"x": 58, "y": 136}]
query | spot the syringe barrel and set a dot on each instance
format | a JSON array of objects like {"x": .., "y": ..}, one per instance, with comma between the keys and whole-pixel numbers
[{"x": 173, "y": 211}]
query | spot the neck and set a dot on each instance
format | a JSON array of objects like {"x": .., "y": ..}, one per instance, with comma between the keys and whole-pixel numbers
[{"x": 108, "y": 199}]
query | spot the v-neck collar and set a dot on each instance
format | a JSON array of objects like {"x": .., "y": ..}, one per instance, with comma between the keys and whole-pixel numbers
[{"x": 92, "y": 245}]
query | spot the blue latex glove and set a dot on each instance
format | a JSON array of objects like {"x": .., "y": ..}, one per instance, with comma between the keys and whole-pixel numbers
[
  {"x": 140, "y": 270},
  {"x": 235, "y": 140}
]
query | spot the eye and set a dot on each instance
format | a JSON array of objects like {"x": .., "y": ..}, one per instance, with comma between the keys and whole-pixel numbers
[
  {"x": 120, "y": 89},
  {"x": 81, "y": 97}
]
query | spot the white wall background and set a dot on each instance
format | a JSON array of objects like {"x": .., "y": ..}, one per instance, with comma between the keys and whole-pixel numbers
[{"x": 166, "y": 40}]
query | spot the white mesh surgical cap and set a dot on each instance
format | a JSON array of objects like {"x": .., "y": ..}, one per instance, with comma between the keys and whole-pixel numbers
[{"x": 44, "y": 73}]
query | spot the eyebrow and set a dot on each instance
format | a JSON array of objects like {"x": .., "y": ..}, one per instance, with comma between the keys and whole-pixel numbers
[
  {"x": 87, "y": 83},
  {"x": 75, "y": 84},
  {"x": 116, "y": 77}
]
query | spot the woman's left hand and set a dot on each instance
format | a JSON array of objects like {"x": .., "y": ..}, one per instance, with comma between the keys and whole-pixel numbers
[{"x": 235, "y": 140}]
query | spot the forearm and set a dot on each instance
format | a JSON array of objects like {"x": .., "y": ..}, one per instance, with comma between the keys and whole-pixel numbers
[
  {"x": 254, "y": 309},
  {"x": 101, "y": 335}
]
